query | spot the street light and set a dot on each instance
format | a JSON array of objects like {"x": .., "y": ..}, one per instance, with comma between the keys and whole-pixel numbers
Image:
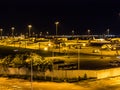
[
  {"x": 52, "y": 63},
  {"x": 45, "y": 49},
  {"x": 40, "y": 34},
  {"x": 1, "y": 33},
  {"x": 31, "y": 74},
  {"x": 47, "y": 33},
  {"x": 108, "y": 30},
  {"x": 56, "y": 23},
  {"x": 72, "y": 32},
  {"x": 78, "y": 58},
  {"x": 88, "y": 31},
  {"x": 29, "y": 28},
  {"x": 12, "y": 28}
]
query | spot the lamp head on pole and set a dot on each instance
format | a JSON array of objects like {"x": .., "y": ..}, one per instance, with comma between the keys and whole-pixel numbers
[
  {"x": 29, "y": 26},
  {"x": 1, "y": 30},
  {"x": 57, "y": 23},
  {"x": 12, "y": 28}
]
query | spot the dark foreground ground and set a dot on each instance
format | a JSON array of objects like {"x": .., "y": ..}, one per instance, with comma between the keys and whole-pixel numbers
[{"x": 20, "y": 84}]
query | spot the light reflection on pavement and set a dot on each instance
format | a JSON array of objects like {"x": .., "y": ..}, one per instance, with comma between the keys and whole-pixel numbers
[{"x": 103, "y": 84}]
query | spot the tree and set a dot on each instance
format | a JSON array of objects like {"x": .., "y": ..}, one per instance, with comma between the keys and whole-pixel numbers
[
  {"x": 17, "y": 61},
  {"x": 35, "y": 59},
  {"x": 38, "y": 62},
  {"x": 47, "y": 64},
  {"x": 6, "y": 61}
]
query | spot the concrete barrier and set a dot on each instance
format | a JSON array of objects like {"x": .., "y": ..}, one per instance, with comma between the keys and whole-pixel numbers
[{"x": 98, "y": 74}]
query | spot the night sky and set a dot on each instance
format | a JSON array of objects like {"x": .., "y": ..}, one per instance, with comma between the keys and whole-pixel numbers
[{"x": 77, "y": 15}]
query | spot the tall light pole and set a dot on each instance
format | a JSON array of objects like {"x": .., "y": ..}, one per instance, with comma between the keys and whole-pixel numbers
[
  {"x": 73, "y": 33},
  {"x": 40, "y": 34},
  {"x": 56, "y": 23},
  {"x": 108, "y": 30},
  {"x": 88, "y": 31},
  {"x": 52, "y": 63},
  {"x": 12, "y": 28},
  {"x": 47, "y": 33},
  {"x": 29, "y": 28},
  {"x": 1, "y": 33},
  {"x": 78, "y": 58},
  {"x": 31, "y": 74}
]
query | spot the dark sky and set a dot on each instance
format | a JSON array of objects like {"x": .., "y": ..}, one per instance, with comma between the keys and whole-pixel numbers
[{"x": 80, "y": 15}]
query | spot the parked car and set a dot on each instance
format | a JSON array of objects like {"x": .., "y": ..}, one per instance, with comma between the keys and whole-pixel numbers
[
  {"x": 96, "y": 51},
  {"x": 114, "y": 63}
]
